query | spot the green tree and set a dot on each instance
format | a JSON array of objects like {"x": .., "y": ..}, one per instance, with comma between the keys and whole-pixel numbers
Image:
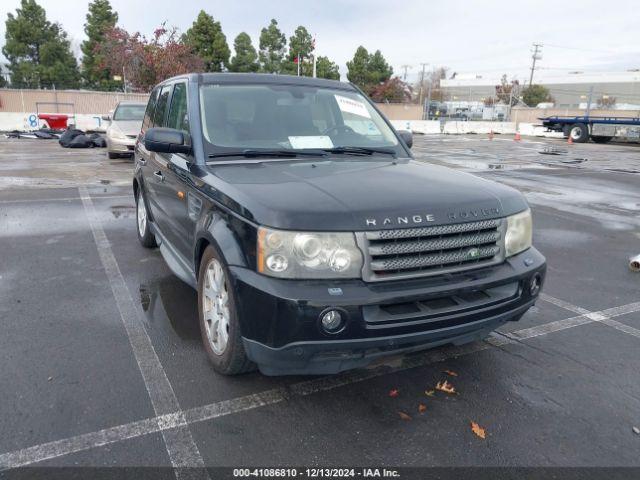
[
  {"x": 272, "y": 48},
  {"x": 300, "y": 46},
  {"x": 535, "y": 94},
  {"x": 38, "y": 51},
  {"x": 100, "y": 19},
  {"x": 325, "y": 68},
  {"x": 358, "y": 68},
  {"x": 379, "y": 69},
  {"x": 246, "y": 58},
  {"x": 206, "y": 39}
]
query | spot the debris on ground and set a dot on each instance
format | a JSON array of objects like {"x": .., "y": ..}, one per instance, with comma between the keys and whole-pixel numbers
[
  {"x": 404, "y": 416},
  {"x": 553, "y": 150},
  {"x": 446, "y": 387},
  {"x": 636, "y": 430},
  {"x": 430, "y": 393},
  {"x": 634, "y": 263},
  {"x": 75, "y": 138},
  {"x": 451, "y": 373},
  {"x": 394, "y": 393},
  {"x": 422, "y": 408},
  {"x": 478, "y": 430}
]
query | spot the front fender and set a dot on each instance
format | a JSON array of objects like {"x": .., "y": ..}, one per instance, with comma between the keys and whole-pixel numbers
[{"x": 226, "y": 233}]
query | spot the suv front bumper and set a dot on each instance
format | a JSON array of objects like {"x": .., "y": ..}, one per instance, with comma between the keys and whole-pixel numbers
[{"x": 280, "y": 319}]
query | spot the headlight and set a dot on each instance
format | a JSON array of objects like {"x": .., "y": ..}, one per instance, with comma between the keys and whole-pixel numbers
[
  {"x": 308, "y": 254},
  {"x": 519, "y": 233}
]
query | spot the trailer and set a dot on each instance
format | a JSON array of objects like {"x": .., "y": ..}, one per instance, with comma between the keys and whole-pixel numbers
[{"x": 598, "y": 129}]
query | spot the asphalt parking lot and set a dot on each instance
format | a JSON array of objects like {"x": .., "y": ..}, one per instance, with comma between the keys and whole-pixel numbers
[{"x": 102, "y": 362}]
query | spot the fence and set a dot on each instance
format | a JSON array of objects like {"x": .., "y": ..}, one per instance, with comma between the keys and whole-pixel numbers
[{"x": 84, "y": 102}]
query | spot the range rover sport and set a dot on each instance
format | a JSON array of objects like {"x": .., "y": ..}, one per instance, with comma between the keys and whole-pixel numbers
[{"x": 315, "y": 241}]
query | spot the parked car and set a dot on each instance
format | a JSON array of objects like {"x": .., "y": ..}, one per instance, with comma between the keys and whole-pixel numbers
[
  {"x": 124, "y": 128},
  {"x": 315, "y": 241}
]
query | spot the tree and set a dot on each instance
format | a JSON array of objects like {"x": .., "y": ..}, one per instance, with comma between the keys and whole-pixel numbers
[
  {"x": 391, "y": 90},
  {"x": 358, "y": 68},
  {"x": 535, "y": 94},
  {"x": 606, "y": 101},
  {"x": 379, "y": 69},
  {"x": 246, "y": 58},
  {"x": 38, "y": 51},
  {"x": 301, "y": 47},
  {"x": 206, "y": 39},
  {"x": 325, "y": 68},
  {"x": 272, "y": 48},
  {"x": 147, "y": 62},
  {"x": 367, "y": 70},
  {"x": 507, "y": 92},
  {"x": 100, "y": 19}
]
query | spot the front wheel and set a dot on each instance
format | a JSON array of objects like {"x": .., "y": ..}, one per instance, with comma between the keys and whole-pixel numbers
[
  {"x": 145, "y": 236},
  {"x": 219, "y": 325}
]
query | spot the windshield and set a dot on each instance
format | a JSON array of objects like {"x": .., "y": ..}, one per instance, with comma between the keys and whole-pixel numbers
[
  {"x": 129, "y": 112},
  {"x": 239, "y": 117}
]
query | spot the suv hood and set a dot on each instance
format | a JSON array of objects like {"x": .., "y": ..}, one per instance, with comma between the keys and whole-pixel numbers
[{"x": 356, "y": 195}]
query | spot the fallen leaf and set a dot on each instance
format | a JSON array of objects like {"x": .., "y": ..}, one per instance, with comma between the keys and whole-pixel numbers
[
  {"x": 422, "y": 408},
  {"x": 451, "y": 372},
  {"x": 429, "y": 393},
  {"x": 50, "y": 378},
  {"x": 478, "y": 430},
  {"x": 404, "y": 416},
  {"x": 636, "y": 430},
  {"x": 394, "y": 393},
  {"x": 446, "y": 387}
]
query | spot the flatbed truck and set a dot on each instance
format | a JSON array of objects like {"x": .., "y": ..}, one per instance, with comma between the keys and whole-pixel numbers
[{"x": 598, "y": 129}]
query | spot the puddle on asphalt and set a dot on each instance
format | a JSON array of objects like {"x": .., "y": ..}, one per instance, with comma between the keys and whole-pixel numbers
[
  {"x": 171, "y": 302},
  {"x": 123, "y": 211}
]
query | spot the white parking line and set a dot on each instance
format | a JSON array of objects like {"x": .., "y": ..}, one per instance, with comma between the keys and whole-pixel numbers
[
  {"x": 182, "y": 449},
  {"x": 604, "y": 316},
  {"x": 180, "y": 419},
  {"x": 61, "y": 199}
]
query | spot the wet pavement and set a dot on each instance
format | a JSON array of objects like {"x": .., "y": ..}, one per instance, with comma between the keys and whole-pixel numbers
[{"x": 558, "y": 388}]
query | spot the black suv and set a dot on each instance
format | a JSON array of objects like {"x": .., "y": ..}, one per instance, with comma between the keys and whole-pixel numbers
[{"x": 315, "y": 241}]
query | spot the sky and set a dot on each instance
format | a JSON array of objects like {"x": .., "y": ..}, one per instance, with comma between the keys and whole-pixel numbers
[{"x": 488, "y": 37}]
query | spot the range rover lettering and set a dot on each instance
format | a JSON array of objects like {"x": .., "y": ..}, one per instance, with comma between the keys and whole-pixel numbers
[{"x": 315, "y": 240}]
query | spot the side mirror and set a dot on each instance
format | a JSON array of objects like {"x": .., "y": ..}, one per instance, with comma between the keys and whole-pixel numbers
[
  {"x": 407, "y": 136},
  {"x": 167, "y": 140},
  {"x": 106, "y": 118}
]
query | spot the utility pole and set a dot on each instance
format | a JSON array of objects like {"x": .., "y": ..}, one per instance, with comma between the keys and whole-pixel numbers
[
  {"x": 428, "y": 104},
  {"x": 589, "y": 101},
  {"x": 422, "y": 84},
  {"x": 537, "y": 55},
  {"x": 405, "y": 68}
]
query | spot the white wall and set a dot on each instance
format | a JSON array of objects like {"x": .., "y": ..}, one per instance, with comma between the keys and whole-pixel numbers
[{"x": 28, "y": 121}]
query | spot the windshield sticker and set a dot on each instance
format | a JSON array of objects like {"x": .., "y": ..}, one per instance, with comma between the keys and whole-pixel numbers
[
  {"x": 315, "y": 141},
  {"x": 352, "y": 106}
]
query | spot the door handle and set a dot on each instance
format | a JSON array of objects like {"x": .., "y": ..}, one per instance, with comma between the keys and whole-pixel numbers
[{"x": 159, "y": 175}]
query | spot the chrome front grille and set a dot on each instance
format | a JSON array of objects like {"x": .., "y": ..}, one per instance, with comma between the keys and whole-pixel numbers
[{"x": 414, "y": 252}]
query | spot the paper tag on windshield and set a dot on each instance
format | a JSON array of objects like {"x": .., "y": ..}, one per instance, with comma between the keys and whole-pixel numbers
[
  {"x": 352, "y": 106},
  {"x": 312, "y": 141}
]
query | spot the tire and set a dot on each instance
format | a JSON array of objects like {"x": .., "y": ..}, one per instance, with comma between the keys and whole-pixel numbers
[
  {"x": 145, "y": 236},
  {"x": 218, "y": 316},
  {"x": 600, "y": 139},
  {"x": 579, "y": 133},
  {"x": 112, "y": 156}
]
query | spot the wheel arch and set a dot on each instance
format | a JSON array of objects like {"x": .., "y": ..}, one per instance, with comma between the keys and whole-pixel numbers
[{"x": 216, "y": 232}]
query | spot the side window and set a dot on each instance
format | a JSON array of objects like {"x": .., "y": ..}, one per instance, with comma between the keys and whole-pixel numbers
[
  {"x": 178, "y": 115},
  {"x": 161, "y": 106},
  {"x": 148, "y": 113}
]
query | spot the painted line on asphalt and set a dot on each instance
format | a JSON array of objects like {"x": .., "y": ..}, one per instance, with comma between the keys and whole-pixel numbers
[
  {"x": 182, "y": 449},
  {"x": 61, "y": 199},
  {"x": 181, "y": 419},
  {"x": 604, "y": 317}
]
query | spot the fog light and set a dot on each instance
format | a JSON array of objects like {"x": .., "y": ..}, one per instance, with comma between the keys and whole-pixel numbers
[
  {"x": 535, "y": 284},
  {"x": 332, "y": 321}
]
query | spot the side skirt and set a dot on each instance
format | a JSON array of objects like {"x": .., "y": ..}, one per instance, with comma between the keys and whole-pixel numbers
[{"x": 178, "y": 265}]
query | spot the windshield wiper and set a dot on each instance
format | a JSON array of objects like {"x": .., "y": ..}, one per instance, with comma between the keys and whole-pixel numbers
[
  {"x": 283, "y": 153},
  {"x": 360, "y": 150}
]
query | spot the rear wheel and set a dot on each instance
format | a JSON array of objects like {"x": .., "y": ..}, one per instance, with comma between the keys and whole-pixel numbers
[
  {"x": 601, "y": 139},
  {"x": 218, "y": 317},
  {"x": 579, "y": 132},
  {"x": 145, "y": 236}
]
